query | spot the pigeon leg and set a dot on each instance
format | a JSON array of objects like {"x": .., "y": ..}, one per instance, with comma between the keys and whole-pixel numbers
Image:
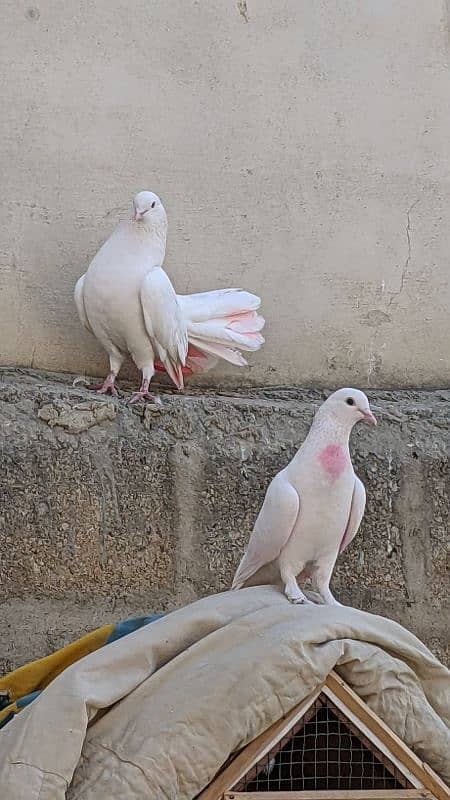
[
  {"x": 322, "y": 584},
  {"x": 108, "y": 386},
  {"x": 143, "y": 393},
  {"x": 293, "y": 592}
]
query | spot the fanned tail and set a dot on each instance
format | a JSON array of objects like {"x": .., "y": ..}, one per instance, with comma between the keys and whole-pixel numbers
[{"x": 220, "y": 324}]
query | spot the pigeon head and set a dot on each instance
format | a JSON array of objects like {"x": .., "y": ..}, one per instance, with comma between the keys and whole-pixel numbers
[
  {"x": 148, "y": 210},
  {"x": 349, "y": 406}
]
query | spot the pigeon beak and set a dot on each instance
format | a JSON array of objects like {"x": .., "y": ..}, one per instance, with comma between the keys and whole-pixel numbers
[
  {"x": 138, "y": 215},
  {"x": 368, "y": 418}
]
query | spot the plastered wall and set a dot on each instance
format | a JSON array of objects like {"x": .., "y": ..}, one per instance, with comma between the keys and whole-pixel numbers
[{"x": 301, "y": 150}]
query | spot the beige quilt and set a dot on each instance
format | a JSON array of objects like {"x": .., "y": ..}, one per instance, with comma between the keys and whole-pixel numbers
[{"x": 157, "y": 713}]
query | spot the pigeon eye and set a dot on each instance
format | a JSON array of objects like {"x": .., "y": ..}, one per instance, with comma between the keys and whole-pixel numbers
[
  {"x": 350, "y": 401},
  {"x": 153, "y": 204}
]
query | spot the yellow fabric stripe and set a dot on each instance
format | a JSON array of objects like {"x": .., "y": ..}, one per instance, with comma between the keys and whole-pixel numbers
[
  {"x": 38, "y": 674},
  {"x": 6, "y": 711}
]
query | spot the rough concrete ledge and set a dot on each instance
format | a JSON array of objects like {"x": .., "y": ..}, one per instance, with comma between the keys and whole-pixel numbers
[{"x": 108, "y": 511}]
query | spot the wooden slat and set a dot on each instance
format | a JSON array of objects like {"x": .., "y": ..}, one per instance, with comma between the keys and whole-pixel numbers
[
  {"x": 347, "y": 794},
  {"x": 399, "y": 749},
  {"x": 255, "y": 750}
]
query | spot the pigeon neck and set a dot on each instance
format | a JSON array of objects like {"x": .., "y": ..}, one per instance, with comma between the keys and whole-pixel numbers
[
  {"x": 153, "y": 235},
  {"x": 328, "y": 427}
]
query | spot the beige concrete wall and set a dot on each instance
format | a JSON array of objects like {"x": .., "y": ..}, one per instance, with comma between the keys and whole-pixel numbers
[
  {"x": 301, "y": 149},
  {"x": 109, "y": 511}
]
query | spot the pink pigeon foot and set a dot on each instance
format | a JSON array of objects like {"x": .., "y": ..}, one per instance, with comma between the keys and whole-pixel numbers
[
  {"x": 107, "y": 387},
  {"x": 145, "y": 397}
]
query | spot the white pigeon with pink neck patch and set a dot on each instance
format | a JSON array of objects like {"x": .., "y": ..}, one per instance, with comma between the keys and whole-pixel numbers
[{"x": 313, "y": 507}]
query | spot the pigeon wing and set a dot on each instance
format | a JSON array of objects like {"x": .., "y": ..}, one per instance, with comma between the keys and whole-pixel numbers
[
  {"x": 273, "y": 527},
  {"x": 356, "y": 513},
  {"x": 165, "y": 323},
  {"x": 79, "y": 302}
]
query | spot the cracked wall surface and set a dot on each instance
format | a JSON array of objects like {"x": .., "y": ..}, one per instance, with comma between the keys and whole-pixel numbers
[
  {"x": 301, "y": 150},
  {"x": 109, "y": 511}
]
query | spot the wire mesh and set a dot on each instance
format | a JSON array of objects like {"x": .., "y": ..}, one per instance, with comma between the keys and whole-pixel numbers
[{"x": 322, "y": 752}]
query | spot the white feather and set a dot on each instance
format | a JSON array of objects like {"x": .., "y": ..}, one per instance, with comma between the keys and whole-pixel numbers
[
  {"x": 219, "y": 350},
  {"x": 218, "y": 331},
  {"x": 219, "y": 303}
]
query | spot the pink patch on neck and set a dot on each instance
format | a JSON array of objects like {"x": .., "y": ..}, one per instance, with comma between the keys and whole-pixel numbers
[{"x": 333, "y": 460}]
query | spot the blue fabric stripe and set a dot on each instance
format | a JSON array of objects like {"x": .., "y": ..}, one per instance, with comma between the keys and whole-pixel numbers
[
  {"x": 130, "y": 625},
  {"x": 121, "y": 629},
  {"x": 23, "y": 701}
]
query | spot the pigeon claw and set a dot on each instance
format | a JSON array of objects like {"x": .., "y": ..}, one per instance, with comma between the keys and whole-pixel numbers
[
  {"x": 105, "y": 390},
  {"x": 144, "y": 397},
  {"x": 299, "y": 600},
  {"x": 107, "y": 387}
]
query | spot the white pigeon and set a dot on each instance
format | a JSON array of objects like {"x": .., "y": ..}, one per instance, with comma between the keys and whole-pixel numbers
[
  {"x": 313, "y": 507},
  {"x": 128, "y": 302}
]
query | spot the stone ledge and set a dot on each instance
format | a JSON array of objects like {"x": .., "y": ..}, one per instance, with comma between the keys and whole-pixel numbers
[{"x": 108, "y": 511}]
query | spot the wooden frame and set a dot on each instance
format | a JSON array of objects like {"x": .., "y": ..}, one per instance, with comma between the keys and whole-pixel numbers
[
  {"x": 346, "y": 794},
  {"x": 424, "y": 780},
  {"x": 404, "y": 777}
]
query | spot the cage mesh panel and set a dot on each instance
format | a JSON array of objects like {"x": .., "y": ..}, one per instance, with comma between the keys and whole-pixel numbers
[{"x": 322, "y": 752}]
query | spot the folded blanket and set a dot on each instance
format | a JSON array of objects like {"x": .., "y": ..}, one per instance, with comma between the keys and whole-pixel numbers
[
  {"x": 159, "y": 711},
  {"x": 23, "y": 685}
]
